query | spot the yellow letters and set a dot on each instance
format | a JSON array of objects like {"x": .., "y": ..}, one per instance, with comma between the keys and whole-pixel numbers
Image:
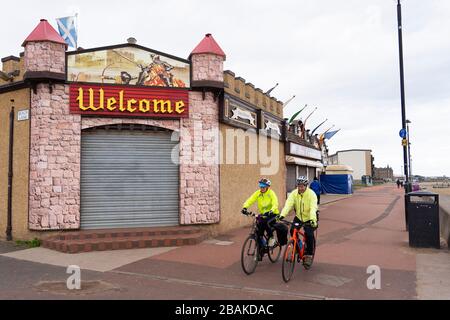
[
  {"x": 129, "y": 103},
  {"x": 110, "y": 103},
  {"x": 143, "y": 108},
  {"x": 163, "y": 104},
  {"x": 98, "y": 101},
  {"x": 179, "y": 106},
  {"x": 121, "y": 106}
]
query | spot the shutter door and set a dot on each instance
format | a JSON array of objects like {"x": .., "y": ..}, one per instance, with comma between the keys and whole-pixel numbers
[
  {"x": 128, "y": 179},
  {"x": 291, "y": 177}
]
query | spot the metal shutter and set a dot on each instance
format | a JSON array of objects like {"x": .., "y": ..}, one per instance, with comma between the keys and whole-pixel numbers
[
  {"x": 291, "y": 177},
  {"x": 128, "y": 179}
]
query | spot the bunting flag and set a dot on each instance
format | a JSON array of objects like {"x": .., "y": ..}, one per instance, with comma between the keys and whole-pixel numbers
[
  {"x": 330, "y": 134},
  {"x": 312, "y": 133},
  {"x": 67, "y": 30},
  {"x": 296, "y": 114},
  {"x": 270, "y": 90}
]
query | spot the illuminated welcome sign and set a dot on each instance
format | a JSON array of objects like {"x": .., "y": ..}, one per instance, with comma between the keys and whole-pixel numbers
[{"x": 127, "y": 101}]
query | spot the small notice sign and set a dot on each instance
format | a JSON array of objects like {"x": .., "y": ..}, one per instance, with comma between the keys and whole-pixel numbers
[{"x": 23, "y": 115}]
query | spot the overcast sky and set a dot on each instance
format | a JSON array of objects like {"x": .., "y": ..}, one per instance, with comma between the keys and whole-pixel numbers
[{"x": 338, "y": 55}]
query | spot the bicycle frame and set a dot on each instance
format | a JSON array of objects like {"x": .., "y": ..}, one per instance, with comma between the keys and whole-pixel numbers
[{"x": 297, "y": 236}]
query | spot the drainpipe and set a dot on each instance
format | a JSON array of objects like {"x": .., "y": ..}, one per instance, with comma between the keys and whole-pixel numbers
[{"x": 10, "y": 173}]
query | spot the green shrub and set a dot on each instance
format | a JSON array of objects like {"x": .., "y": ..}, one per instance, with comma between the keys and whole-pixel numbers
[{"x": 29, "y": 243}]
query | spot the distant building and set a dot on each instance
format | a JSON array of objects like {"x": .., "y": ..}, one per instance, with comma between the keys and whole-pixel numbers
[
  {"x": 360, "y": 160},
  {"x": 384, "y": 173}
]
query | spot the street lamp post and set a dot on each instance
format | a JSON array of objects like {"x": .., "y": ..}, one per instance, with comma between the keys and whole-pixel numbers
[
  {"x": 409, "y": 148},
  {"x": 402, "y": 92}
]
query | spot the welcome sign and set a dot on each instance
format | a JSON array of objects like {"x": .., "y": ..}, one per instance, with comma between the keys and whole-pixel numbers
[{"x": 127, "y": 101}]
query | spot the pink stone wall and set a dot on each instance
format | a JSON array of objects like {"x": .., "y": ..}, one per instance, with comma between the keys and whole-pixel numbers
[
  {"x": 55, "y": 146},
  {"x": 199, "y": 166},
  {"x": 207, "y": 67},
  {"x": 54, "y": 161},
  {"x": 45, "y": 56},
  {"x": 173, "y": 125}
]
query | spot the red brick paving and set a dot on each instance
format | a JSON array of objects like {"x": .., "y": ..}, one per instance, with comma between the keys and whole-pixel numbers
[{"x": 350, "y": 247}]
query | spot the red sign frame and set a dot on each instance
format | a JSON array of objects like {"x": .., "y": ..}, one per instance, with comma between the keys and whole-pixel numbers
[{"x": 128, "y": 101}]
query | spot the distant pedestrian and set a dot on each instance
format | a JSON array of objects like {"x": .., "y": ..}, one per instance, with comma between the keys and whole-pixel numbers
[
  {"x": 401, "y": 183},
  {"x": 317, "y": 188},
  {"x": 398, "y": 183}
]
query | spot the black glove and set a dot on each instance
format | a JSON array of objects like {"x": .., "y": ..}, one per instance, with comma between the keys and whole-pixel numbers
[{"x": 244, "y": 211}]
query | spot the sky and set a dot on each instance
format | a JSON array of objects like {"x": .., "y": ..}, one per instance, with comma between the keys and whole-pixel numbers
[{"x": 340, "y": 56}]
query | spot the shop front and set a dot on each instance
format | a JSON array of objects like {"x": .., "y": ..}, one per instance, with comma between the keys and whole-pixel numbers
[{"x": 114, "y": 134}]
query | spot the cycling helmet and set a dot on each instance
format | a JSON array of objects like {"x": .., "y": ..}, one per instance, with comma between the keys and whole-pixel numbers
[
  {"x": 302, "y": 180},
  {"x": 263, "y": 183}
]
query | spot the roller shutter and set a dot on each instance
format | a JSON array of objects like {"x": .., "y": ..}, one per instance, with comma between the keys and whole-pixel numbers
[{"x": 128, "y": 179}]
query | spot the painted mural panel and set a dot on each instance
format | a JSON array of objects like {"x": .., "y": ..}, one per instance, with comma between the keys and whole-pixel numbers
[{"x": 128, "y": 66}]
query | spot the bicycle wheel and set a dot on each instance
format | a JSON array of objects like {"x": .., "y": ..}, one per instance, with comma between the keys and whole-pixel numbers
[
  {"x": 275, "y": 251},
  {"x": 289, "y": 257},
  {"x": 249, "y": 255}
]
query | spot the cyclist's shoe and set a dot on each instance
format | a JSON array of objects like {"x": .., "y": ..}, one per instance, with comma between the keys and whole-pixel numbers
[
  {"x": 307, "y": 260},
  {"x": 261, "y": 254},
  {"x": 271, "y": 242},
  {"x": 298, "y": 258}
]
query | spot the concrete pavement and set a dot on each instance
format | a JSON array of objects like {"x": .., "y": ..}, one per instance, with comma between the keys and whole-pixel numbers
[{"x": 366, "y": 229}]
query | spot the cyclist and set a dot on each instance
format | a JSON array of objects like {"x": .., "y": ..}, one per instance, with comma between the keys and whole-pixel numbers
[
  {"x": 268, "y": 208},
  {"x": 304, "y": 201}
]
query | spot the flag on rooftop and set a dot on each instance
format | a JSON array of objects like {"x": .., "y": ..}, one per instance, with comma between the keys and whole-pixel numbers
[
  {"x": 330, "y": 134},
  {"x": 68, "y": 30}
]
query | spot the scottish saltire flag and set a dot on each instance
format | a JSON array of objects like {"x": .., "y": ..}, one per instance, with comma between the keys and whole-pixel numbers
[
  {"x": 67, "y": 30},
  {"x": 330, "y": 134}
]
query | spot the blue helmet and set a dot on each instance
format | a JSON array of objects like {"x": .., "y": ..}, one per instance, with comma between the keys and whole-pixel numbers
[{"x": 263, "y": 183}]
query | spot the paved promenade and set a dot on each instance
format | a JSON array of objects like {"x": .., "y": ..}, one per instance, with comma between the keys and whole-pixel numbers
[{"x": 365, "y": 229}]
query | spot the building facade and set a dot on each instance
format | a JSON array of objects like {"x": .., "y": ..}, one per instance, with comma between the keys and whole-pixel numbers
[
  {"x": 127, "y": 136},
  {"x": 386, "y": 174},
  {"x": 360, "y": 161}
]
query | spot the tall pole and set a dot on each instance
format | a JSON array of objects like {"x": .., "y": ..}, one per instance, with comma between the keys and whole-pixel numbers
[
  {"x": 409, "y": 149},
  {"x": 10, "y": 174},
  {"x": 402, "y": 91}
]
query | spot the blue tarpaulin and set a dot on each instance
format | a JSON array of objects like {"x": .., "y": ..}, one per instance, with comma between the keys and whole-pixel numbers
[{"x": 337, "y": 183}]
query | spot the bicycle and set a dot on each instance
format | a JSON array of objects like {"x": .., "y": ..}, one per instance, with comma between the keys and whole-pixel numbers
[
  {"x": 253, "y": 248},
  {"x": 295, "y": 251}
]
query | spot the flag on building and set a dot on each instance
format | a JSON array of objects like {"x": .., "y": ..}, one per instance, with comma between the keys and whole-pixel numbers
[
  {"x": 68, "y": 30},
  {"x": 330, "y": 134}
]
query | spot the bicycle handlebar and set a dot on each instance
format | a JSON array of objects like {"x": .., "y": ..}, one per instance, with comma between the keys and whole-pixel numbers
[{"x": 297, "y": 224}]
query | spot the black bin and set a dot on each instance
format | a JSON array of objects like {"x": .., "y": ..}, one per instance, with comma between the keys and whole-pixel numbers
[{"x": 422, "y": 218}]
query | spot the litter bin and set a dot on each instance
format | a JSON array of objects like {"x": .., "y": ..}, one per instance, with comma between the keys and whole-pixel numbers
[{"x": 422, "y": 218}]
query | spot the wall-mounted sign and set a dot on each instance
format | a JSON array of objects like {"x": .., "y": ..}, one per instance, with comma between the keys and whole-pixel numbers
[
  {"x": 128, "y": 65},
  {"x": 125, "y": 101},
  {"x": 270, "y": 125},
  {"x": 238, "y": 113},
  {"x": 299, "y": 150},
  {"x": 23, "y": 115}
]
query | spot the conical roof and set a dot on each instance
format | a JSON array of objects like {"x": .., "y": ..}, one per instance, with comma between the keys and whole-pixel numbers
[
  {"x": 208, "y": 45},
  {"x": 44, "y": 32}
]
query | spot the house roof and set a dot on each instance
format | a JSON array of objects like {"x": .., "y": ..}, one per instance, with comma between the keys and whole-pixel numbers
[
  {"x": 208, "y": 45},
  {"x": 44, "y": 32}
]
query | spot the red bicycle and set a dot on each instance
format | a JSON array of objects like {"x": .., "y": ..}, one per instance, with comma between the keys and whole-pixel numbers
[{"x": 295, "y": 251}]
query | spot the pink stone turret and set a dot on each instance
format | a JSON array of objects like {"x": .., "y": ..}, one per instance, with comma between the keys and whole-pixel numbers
[
  {"x": 207, "y": 60},
  {"x": 45, "y": 49}
]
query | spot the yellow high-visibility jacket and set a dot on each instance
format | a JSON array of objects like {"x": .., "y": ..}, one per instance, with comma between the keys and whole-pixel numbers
[
  {"x": 305, "y": 205},
  {"x": 266, "y": 201}
]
